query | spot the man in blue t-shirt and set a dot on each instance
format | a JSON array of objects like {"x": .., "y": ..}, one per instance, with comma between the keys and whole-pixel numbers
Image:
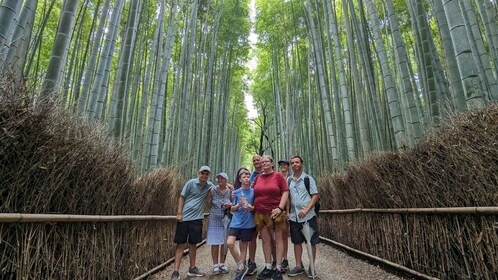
[{"x": 189, "y": 219}]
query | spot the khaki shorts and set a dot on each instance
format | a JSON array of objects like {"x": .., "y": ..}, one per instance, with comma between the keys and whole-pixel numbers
[{"x": 261, "y": 220}]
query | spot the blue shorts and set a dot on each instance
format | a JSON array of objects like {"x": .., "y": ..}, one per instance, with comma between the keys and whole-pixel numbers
[
  {"x": 297, "y": 236},
  {"x": 244, "y": 234},
  {"x": 190, "y": 231}
]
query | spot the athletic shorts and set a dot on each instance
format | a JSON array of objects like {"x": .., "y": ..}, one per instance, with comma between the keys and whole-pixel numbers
[
  {"x": 190, "y": 231},
  {"x": 243, "y": 234},
  {"x": 297, "y": 236},
  {"x": 261, "y": 220}
]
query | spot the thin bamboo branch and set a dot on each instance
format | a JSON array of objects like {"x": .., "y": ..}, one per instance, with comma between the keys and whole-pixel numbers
[
  {"x": 492, "y": 210},
  {"x": 40, "y": 218}
]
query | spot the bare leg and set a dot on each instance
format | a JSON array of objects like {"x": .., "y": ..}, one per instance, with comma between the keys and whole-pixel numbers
[
  {"x": 214, "y": 253},
  {"x": 253, "y": 246},
  {"x": 298, "y": 252},
  {"x": 233, "y": 249},
  {"x": 266, "y": 237},
  {"x": 279, "y": 244},
  {"x": 178, "y": 255},
  {"x": 222, "y": 253},
  {"x": 285, "y": 237},
  {"x": 192, "y": 253},
  {"x": 243, "y": 251}
]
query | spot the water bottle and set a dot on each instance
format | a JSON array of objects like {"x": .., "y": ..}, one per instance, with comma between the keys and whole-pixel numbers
[{"x": 243, "y": 198}]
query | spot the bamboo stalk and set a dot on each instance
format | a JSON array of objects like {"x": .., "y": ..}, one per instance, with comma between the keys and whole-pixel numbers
[{"x": 491, "y": 210}]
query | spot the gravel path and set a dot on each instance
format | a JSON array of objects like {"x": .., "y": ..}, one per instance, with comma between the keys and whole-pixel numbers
[{"x": 330, "y": 264}]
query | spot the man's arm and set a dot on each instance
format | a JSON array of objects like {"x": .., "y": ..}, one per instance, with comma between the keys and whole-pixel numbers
[
  {"x": 179, "y": 214},
  {"x": 302, "y": 213}
]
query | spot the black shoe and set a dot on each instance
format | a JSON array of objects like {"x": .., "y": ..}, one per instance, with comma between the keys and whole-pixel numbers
[
  {"x": 265, "y": 273},
  {"x": 277, "y": 275},
  {"x": 251, "y": 268},
  {"x": 241, "y": 275},
  {"x": 285, "y": 264},
  {"x": 295, "y": 271}
]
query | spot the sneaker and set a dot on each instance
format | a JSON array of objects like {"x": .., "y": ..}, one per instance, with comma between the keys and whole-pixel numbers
[
  {"x": 216, "y": 270},
  {"x": 285, "y": 264},
  {"x": 175, "y": 275},
  {"x": 251, "y": 267},
  {"x": 295, "y": 271},
  {"x": 241, "y": 273},
  {"x": 277, "y": 275},
  {"x": 309, "y": 273},
  {"x": 194, "y": 271},
  {"x": 273, "y": 265},
  {"x": 224, "y": 268},
  {"x": 265, "y": 273}
]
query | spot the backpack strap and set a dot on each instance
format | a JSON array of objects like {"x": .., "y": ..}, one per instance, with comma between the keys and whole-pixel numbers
[{"x": 307, "y": 184}]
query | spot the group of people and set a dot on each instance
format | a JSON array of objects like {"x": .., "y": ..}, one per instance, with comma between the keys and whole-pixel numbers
[{"x": 264, "y": 203}]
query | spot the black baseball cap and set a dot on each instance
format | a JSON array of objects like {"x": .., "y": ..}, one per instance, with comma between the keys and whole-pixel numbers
[{"x": 284, "y": 161}]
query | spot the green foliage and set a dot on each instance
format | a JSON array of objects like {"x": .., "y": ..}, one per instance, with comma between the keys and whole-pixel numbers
[{"x": 234, "y": 28}]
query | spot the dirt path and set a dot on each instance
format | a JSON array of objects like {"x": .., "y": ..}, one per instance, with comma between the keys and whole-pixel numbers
[{"x": 331, "y": 264}]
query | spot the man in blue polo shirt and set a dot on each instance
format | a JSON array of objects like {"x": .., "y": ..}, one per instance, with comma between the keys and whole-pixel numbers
[
  {"x": 302, "y": 210},
  {"x": 189, "y": 219}
]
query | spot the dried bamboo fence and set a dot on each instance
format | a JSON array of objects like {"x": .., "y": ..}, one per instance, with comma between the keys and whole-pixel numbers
[
  {"x": 447, "y": 188},
  {"x": 445, "y": 243},
  {"x": 54, "y": 162}
]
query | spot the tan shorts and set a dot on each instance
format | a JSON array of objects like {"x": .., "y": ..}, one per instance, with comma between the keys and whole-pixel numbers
[{"x": 261, "y": 220}]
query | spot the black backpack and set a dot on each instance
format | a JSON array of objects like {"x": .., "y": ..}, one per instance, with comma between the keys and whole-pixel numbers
[{"x": 307, "y": 185}]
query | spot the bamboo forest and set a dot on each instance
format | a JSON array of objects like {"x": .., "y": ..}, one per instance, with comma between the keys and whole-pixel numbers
[
  {"x": 334, "y": 80},
  {"x": 107, "y": 107}
]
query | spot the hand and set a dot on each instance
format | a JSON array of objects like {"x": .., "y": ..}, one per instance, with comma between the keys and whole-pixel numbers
[
  {"x": 179, "y": 217},
  {"x": 249, "y": 207},
  {"x": 227, "y": 204},
  {"x": 287, "y": 217},
  {"x": 302, "y": 213},
  {"x": 275, "y": 212}
]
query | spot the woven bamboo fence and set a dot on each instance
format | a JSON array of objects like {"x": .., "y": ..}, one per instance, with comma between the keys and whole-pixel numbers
[
  {"x": 455, "y": 168},
  {"x": 51, "y": 162}
]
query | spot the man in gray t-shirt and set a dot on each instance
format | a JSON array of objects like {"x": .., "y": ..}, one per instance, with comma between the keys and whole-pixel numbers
[{"x": 189, "y": 219}]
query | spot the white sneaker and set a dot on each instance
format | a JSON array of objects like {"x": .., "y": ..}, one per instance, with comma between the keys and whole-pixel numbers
[
  {"x": 216, "y": 270},
  {"x": 224, "y": 268}
]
